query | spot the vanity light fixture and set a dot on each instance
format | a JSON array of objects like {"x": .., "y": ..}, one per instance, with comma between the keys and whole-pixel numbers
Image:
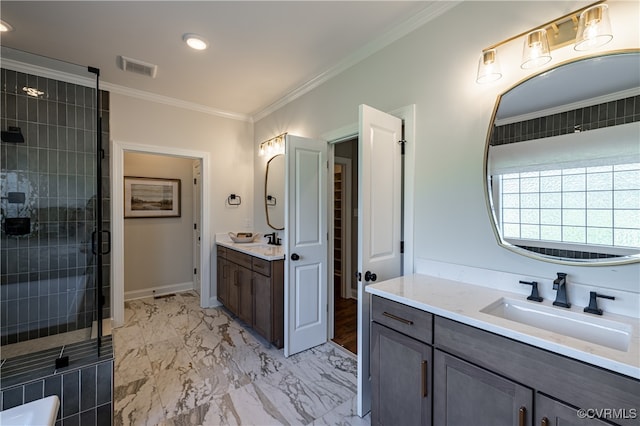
[
  {"x": 594, "y": 28},
  {"x": 588, "y": 28},
  {"x": 536, "y": 51},
  {"x": 488, "y": 67},
  {"x": 273, "y": 146},
  {"x": 195, "y": 41}
]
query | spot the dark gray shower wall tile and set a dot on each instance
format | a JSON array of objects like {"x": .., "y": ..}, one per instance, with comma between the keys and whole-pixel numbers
[
  {"x": 630, "y": 106},
  {"x": 9, "y": 82},
  {"x": 12, "y": 398},
  {"x": 88, "y": 417},
  {"x": 11, "y": 106},
  {"x": 80, "y": 117},
  {"x": 32, "y": 159},
  {"x": 105, "y": 415},
  {"x": 21, "y": 108},
  {"x": 53, "y": 386},
  {"x": 88, "y": 388},
  {"x": 34, "y": 391},
  {"x": 53, "y": 164},
  {"x": 61, "y": 133},
  {"x": 105, "y": 382},
  {"x": 4, "y": 313},
  {"x": 53, "y": 305},
  {"x": 61, "y": 91},
  {"x": 43, "y": 307},
  {"x": 43, "y": 114},
  {"x": 33, "y": 303},
  {"x": 23, "y": 311},
  {"x": 34, "y": 286}
]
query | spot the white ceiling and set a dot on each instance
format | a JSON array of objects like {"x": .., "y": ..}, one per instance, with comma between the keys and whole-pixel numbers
[{"x": 260, "y": 51}]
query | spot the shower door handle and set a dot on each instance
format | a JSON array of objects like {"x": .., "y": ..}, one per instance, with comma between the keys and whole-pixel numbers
[
  {"x": 93, "y": 242},
  {"x": 108, "y": 234}
]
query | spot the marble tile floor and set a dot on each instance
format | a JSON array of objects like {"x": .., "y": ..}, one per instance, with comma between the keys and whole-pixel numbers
[{"x": 179, "y": 364}]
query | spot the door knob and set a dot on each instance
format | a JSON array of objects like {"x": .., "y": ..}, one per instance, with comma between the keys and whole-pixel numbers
[
  {"x": 369, "y": 276},
  {"x": 295, "y": 256}
]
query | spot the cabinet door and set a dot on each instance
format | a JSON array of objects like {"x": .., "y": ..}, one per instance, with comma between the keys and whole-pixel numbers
[
  {"x": 232, "y": 286},
  {"x": 223, "y": 280},
  {"x": 550, "y": 412},
  {"x": 400, "y": 379},
  {"x": 262, "y": 317},
  {"x": 465, "y": 394},
  {"x": 245, "y": 295}
]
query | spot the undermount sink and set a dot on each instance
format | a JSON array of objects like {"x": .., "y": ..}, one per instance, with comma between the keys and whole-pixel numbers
[{"x": 601, "y": 331}]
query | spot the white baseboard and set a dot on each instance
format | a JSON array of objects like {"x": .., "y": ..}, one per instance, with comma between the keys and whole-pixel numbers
[{"x": 158, "y": 291}]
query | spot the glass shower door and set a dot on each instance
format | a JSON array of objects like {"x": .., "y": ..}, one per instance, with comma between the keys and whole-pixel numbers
[{"x": 52, "y": 237}]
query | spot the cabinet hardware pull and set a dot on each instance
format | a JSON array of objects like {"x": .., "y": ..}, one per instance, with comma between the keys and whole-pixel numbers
[
  {"x": 225, "y": 271},
  {"x": 402, "y": 320},
  {"x": 235, "y": 278},
  {"x": 425, "y": 365},
  {"x": 545, "y": 422},
  {"x": 522, "y": 415}
]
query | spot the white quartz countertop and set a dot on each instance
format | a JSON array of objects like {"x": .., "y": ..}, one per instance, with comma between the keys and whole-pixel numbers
[
  {"x": 464, "y": 302},
  {"x": 258, "y": 249}
]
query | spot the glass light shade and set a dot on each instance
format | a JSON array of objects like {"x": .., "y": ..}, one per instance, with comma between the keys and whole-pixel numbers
[
  {"x": 536, "y": 50},
  {"x": 488, "y": 67},
  {"x": 594, "y": 28}
]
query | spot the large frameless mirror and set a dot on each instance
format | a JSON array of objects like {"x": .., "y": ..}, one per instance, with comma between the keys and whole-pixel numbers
[
  {"x": 274, "y": 192},
  {"x": 563, "y": 163}
]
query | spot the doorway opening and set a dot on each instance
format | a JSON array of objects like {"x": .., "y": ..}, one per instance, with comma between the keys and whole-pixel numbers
[
  {"x": 160, "y": 253},
  {"x": 118, "y": 223},
  {"x": 344, "y": 303}
]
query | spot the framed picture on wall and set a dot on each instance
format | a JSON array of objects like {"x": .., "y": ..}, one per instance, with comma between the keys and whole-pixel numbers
[{"x": 151, "y": 197}]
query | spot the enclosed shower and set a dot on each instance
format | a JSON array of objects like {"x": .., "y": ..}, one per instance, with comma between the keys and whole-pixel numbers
[{"x": 54, "y": 239}]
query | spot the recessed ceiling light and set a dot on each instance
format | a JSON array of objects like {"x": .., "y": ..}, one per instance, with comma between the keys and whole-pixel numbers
[
  {"x": 5, "y": 27},
  {"x": 195, "y": 41}
]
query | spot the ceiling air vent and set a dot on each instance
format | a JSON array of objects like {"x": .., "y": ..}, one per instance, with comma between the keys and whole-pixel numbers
[{"x": 138, "y": 67}]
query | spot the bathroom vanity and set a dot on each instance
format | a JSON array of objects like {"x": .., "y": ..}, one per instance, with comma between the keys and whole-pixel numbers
[
  {"x": 251, "y": 286},
  {"x": 439, "y": 357}
]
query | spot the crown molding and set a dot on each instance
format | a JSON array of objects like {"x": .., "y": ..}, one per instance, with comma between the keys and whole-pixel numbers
[
  {"x": 166, "y": 100},
  {"x": 427, "y": 14}
]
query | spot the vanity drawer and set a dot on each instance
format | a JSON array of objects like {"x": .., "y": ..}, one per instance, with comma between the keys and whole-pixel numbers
[
  {"x": 405, "y": 319},
  {"x": 222, "y": 252},
  {"x": 261, "y": 266},
  {"x": 239, "y": 258}
]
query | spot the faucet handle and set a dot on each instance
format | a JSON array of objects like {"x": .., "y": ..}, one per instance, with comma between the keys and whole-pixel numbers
[
  {"x": 593, "y": 303},
  {"x": 535, "y": 296}
]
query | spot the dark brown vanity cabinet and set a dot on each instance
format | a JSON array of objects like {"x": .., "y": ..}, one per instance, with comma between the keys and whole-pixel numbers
[
  {"x": 253, "y": 289},
  {"x": 480, "y": 378}
]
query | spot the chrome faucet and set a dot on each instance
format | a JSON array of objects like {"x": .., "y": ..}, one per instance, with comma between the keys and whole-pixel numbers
[{"x": 560, "y": 284}]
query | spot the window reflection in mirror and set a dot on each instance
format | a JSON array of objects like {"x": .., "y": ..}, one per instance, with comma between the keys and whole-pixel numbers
[
  {"x": 274, "y": 192},
  {"x": 563, "y": 162}
]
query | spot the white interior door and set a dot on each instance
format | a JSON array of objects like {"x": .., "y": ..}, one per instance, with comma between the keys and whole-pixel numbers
[
  {"x": 305, "y": 292},
  {"x": 379, "y": 222},
  {"x": 197, "y": 209}
]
